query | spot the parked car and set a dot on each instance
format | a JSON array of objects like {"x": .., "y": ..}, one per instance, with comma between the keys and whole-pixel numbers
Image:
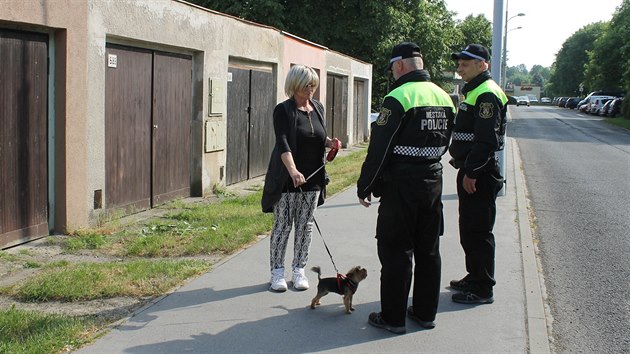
[
  {"x": 615, "y": 107},
  {"x": 532, "y": 99},
  {"x": 604, "y": 111},
  {"x": 562, "y": 101},
  {"x": 597, "y": 102},
  {"x": 545, "y": 100},
  {"x": 522, "y": 101},
  {"x": 583, "y": 105},
  {"x": 572, "y": 102},
  {"x": 511, "y": 100}
]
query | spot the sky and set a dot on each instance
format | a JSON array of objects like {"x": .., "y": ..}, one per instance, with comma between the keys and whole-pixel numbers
[{"x": 546, "y": 24}]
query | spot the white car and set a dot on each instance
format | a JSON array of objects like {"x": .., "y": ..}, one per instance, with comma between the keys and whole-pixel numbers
[
  {"x": 596, "y": 102},
  {"x": 532, "y": 99},
  {"x": 545, "y": 100},
  {"x": 522, "y": 100}
]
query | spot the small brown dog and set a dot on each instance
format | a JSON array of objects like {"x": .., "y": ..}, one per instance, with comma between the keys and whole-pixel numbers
[{"x": 343, "y": 285}]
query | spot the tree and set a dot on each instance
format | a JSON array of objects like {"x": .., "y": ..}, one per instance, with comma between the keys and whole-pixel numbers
[
  {"x": 609, "y": 60},
  {"x": 474, "y": 29},
  {"x": 268, "y": 12},
  {"x": 364, "y": 29},
  {"x": 539, "y": 75},
  {"x": 603, "y": 70},
  {"x": 568, "y": 69},
  {"x": 621, "y": 22}
]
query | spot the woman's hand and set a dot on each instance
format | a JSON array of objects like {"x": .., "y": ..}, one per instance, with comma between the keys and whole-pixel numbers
[
  {"x": 297, "y": 178},
  {"x": 333, "y": 143}
]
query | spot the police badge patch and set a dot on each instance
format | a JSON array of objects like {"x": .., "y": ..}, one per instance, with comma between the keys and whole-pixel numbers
[
  {"x": 383, "y": 116},
  {"x": 485, "y": 110}
]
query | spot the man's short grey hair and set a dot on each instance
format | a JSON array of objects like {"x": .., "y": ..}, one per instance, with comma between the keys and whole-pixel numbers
[
  {"x": 298, "y": 78},
  {"x": 416, "y": 62}
]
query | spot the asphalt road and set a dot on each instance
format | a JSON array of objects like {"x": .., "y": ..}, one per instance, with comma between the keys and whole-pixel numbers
[{"x": 577, "y": 170}]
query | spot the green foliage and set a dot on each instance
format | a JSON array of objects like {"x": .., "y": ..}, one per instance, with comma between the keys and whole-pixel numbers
[
  {"x": 89, "y": 281},
  {"x": 474, "y": 29},
  {"x": 34, "y": 333},
  {"x": 539, "y": 75},
  {"x": 609, "y": 60},
  {"x": 364, "y": 29},
  {"x": 568, "y": 70}
]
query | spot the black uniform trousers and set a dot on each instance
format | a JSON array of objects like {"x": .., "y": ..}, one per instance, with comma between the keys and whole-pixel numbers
[
  {"x": 410, "y": 222},
  {"x": 477, "y": 213}
]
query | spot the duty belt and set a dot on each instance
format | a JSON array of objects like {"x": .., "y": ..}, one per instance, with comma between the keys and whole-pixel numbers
[
  {"x": 459, "y": 136},
  {"x": 432, "y": 151}
]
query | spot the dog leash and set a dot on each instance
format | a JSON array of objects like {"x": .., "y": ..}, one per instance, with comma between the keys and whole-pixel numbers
[
  {"x": 320, "y": 233},
  {"x": 325, "y": 245},
  {"x": 331, "y": 156}
]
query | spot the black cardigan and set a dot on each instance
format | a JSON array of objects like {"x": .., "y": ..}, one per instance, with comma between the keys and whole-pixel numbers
[{"x": 277, "y": 175}]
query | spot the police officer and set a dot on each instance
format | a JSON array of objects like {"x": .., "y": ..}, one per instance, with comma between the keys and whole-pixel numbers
[
  {"x": 478, "y": 132},
  {"x": 403, "y": 167}
]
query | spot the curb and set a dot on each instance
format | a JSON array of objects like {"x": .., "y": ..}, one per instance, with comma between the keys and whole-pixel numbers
[{"x": 538, "y": 338}]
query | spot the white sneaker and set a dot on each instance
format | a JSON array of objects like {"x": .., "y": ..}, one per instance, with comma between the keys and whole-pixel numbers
[
  {"x": 300, "y": 282},
  {"x": 277, "y": 280}
]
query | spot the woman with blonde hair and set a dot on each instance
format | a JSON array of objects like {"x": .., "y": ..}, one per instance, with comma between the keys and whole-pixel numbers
[{"x": 289, "y": 192}]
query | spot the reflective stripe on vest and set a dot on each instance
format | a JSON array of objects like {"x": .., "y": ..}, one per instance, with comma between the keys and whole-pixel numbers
[
  {"x": 486, "y": 86},
  {"x": 421, "y": 94},
  {"x": 459, "y": 136},
  {"x": 432, "y": 151}
]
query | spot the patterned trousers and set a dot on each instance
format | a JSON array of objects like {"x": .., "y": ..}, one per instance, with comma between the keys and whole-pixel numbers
[{"x": 292, "y": 208}]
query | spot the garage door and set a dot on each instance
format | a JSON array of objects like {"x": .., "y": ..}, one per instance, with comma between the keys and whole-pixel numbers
[
  {"x": 250, "y": 136},
  {"x": 23, "y": 136},
  {"x": 148, "y": 116}
]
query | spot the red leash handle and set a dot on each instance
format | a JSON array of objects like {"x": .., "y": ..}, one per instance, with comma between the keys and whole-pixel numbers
[{"x": 333, "y": 151}]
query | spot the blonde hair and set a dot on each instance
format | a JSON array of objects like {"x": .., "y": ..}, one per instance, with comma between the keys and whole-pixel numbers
[{"x": 298, "y": 78}]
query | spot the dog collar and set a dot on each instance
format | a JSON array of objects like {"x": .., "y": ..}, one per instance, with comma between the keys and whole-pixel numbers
[{"x": 351, "y": 285}]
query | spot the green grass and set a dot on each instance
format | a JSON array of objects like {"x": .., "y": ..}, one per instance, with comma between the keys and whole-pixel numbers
[
  {"x": 620, "y": 122},
  {"x": 7, "y": 257},
  {"x": 89, "y": 281},
  {"x": 85, "y": 239},
  {"x": 33, "y": 333},
  {"x": 192, "y": 229},
  {"x": 344, "y": 171}
]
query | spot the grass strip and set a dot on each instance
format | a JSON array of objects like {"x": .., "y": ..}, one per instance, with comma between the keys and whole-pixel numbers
[
  {"x": 619, "y": 122},
  {"x": 88, "y": 281},
  {"x": 205, "y": 228},
  {"x": 33, "y": 333}
]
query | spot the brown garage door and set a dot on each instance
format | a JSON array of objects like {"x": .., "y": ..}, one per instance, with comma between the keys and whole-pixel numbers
[
  {"x": 337, "y": 108},
  {"x": 250, "y": 136},
  {"x": 172, "y": 115},
  {"x": 128, "y": 128},
  {"x": 360, "y": 112},
  {"x": 148, "y": 116},
  {"x": 23, "y": 136}
]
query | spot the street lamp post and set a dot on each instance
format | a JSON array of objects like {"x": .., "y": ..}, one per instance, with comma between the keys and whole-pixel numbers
[
  {"x": 505, "y": 42},
  {"x": 505, "y": 55},
  {"x": 501, "y": 154}
]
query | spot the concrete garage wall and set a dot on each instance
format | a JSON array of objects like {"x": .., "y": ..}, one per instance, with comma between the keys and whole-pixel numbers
[
  {"x": 178, "y": 27},
  {"x": 79, "y": 32},
  {"x": 68, "y": 105}
]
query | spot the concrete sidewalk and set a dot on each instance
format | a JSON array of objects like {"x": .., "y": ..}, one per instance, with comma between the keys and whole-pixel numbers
[{"x": 230, "y": 310}]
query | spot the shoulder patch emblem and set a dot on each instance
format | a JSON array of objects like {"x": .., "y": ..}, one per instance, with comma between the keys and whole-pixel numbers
[
  {"x": 383, "y": 116},
  {"x": 485, "y": 110}
]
